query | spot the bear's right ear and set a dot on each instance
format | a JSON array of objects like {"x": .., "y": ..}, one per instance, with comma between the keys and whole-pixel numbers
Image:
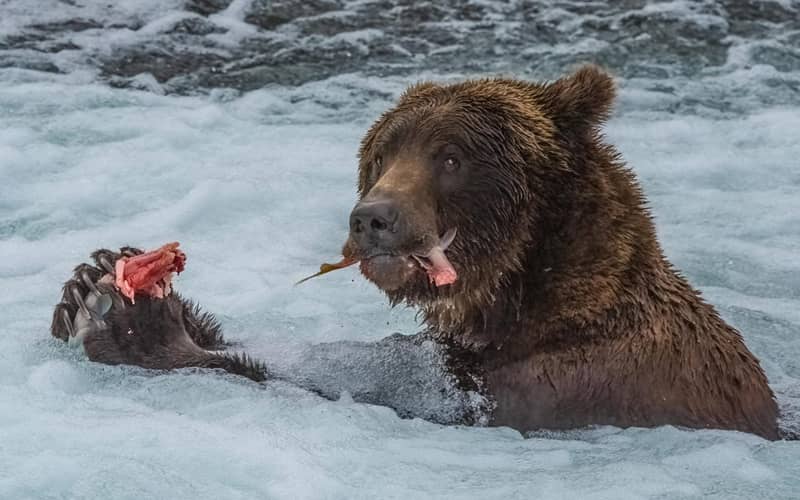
[{"x": 581, "y": 100}]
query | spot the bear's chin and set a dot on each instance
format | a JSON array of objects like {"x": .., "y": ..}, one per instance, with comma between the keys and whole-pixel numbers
[{"x": 389, "y": 272}]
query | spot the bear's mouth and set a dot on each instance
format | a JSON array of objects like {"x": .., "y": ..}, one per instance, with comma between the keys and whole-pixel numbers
[
  {"x": 390, "y": 271},
  {"x": 435, "y": 262}
]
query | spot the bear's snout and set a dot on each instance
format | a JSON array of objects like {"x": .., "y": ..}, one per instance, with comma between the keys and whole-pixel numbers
[{"x": 376, "y": 225}]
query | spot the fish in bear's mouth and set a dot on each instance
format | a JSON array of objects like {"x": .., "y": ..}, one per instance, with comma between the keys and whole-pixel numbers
[{"x": 390, "y": 271}]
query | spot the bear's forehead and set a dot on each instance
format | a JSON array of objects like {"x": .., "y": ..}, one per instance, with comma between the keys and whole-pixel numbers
[
  {"x": 473, "y": 103},
  {"x": 439, "y": 122},
  {"x": 482, "y": 117},
  {"x": 482, "y": 96},
  {"x": 431, "y": 125}
]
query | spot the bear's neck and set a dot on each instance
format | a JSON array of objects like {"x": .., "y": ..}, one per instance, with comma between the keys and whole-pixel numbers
[{"x": 593, "y": 248}]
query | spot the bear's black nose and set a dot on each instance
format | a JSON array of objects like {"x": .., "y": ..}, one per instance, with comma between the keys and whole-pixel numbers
[{"x": 374, "y": 224}]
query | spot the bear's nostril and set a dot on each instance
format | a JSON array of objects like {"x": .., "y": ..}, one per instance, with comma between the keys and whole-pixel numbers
[
  {"x": 378, "y": 225},
  {"x": 374, "y": 223}
]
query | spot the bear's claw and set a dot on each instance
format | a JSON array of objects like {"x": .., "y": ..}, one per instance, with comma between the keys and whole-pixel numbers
[{"x": 86, "y": 300}]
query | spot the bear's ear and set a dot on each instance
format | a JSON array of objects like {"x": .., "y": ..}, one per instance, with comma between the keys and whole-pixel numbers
[{"x": 581, "y": 100}]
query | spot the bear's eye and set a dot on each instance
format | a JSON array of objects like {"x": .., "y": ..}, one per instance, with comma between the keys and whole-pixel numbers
[
  {"x": 376, "y": 170},
  {"x": 451, "y": 164}
]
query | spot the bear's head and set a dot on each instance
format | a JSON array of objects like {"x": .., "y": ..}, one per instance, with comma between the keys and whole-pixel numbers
[{"x": 458, "y": 182}]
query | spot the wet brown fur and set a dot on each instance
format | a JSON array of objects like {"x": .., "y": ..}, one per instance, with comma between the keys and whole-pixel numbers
[{"x": 564, "y": 300}]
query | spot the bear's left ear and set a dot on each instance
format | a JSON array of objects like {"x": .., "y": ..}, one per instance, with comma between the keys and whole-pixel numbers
[{"x": 581, "y": 100}]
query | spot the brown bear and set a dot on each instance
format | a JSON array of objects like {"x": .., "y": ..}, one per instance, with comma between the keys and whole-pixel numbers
[
  {"x": 564, "y": 299},
  {"x": 495, "y": 207}
]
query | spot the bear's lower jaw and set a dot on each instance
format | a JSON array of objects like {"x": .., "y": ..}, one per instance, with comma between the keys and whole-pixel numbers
[{"x": 389, "y": 272}]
